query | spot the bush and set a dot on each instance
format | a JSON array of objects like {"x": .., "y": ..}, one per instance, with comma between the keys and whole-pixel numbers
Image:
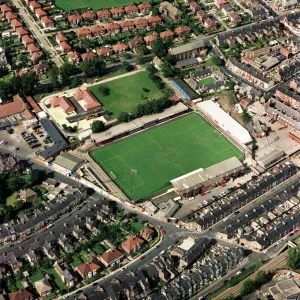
[
  {"x": 97, "y": 126},
  {"x": 104, "y": 91}
]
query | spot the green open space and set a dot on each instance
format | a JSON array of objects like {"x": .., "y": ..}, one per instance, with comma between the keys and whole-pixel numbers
[
  {"x": 59, "y": 283},
  {"x": 127, "y": 92},
  {"x": 137, "y": 226},
  {"x": 94, "y": 4},
  {"x": 12, "y": 199},
  {"x": 36, "y": 277},
  {"x": 99, "y": 248},
  {"x": 163, "y": 153},
  {"x": 207, "y": 80}
]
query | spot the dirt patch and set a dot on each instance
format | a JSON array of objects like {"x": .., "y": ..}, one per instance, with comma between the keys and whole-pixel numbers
[{"x": 226, "y": 101}]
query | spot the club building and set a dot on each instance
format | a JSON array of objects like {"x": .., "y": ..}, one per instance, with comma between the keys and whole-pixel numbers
[{"x": 200, "y": 180}]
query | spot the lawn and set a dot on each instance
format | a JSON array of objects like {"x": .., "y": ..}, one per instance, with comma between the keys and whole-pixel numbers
[
  {"x": 94, "y": 4},
  {"x": 163, "y": 153},
  {"x": 36, "y": 277},
  {"x": 12, "y": 199},
  {"x": 59, "y": 283},
  {"x": 98, "y": 248},
  {"x": 207, "y": 80},
  {"x": 137, "y": 226},
  {"x": 76, "y": 261},
  {"x": 127, "y": 92}
]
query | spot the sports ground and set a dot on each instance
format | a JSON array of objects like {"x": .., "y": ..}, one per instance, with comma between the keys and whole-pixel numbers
[
  {"x": 164, "y": 153},
  {"x": 127, "y": 92},
  {"x": 94, "y": 4}
]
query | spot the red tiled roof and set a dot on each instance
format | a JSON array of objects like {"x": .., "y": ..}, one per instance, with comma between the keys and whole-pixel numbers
[
  {"x": 10, "y": 16},
  {"x": 120, "y": 47},
  {"x": 27, "y": 39},
  {"x": 11, "y": 108},
  {"x": 34, "y": 4},
  {"x": 73, "y": 56},
  {"x": 61, "y": 38},
  {"x": 166, "y": 34},
  {"x": 285, "y": 51},
  {"x": 154, "y": 19},
  {"x": 40, "y": 12},
  {"x": 150, "y": 38},
  {"x": 130, "y": 8},
  {"x": 63, "y": 102},
  {"x": 98, "y": 29},
  {"x": 32, "y": 48},
  {"x": 104, "y": 51},
  {"x": 103, "y": 12},
  {"x": 141, "y": 22},
  {"x": 89, "y": 15},
  {"x": 110, "y": 256},
  {"x": 21, "y": 31},
  {"x": 182, "y": 29},
  {"x": 132, "y": 243},
  {"x": 117, "y": 10},
  {"x": 145, "y": 5},
  {"x": 112, "y": 26},
  {"x": 20, "y": 295},
  {"x": 65, "y": 45},
  {"x": 85, "y": 268},
  {"x": 5, "y": 8},
  {"x": 90, "y": 100},
  {"x": 126, "y": 24},
  {"x": 33, "y": 104},
  {"x": 16, "y": 23},
  {"x": 74, "y": 18},
  {"x": 36, "y": 55},
  {"x": 88, "y": 55},
  {"x": 47, "y": 20},
  {"x": 83, "y": 31}
]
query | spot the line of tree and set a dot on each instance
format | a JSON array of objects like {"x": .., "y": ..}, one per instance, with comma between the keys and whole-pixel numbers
[
  {"x": 24, "y": 85},
  {"x": 149, "y": 108}
]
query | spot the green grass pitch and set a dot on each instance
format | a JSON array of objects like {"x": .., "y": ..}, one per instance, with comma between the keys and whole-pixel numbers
[
  {"x": 127, "y": 92},
  {"x": 163, "y": 153},
  {"x": 94, "y": 4}
]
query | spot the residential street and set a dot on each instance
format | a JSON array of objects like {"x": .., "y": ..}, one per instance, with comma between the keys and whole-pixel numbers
[{"x": 37, "y": 32}]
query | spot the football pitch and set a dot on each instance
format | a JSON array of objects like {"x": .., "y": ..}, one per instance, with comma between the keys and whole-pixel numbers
[{"x": 163, "y": 153}]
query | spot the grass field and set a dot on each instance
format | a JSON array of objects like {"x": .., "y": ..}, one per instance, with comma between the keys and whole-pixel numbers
[
  {"x": 126, "y": 93},
  {"x": 163, "y": 153},
  {"x": 207, "y": 80},
  {"x": 94, "y": 4}
]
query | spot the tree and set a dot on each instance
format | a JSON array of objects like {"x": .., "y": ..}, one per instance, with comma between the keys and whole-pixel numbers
[
  {"x": 248, "y": 287},
  {"x": 167, "y": 69},
  {"x": 66, "y": 71},
  {"x": 261, "y": 278},
  {"x": 15, "y": 182},
  {"x": 293, "y": 258},
  {"x": 216, "y": 60},
  {"x": 37, "y": 176},
  {"x": 93, "y": 67},
  {"x": 151, "y": 69},
  {"x": 104, "y": 91},
  {"x": 5, "y": 89},
  {"x": 231, "y": 84},
  {"x": 53, "y": 75},
  {"x": 97, "y": 126},
  {"x": 126, "y": 66},
  {"x": 158, "y": 48},
  {"x": 246, "y": 117},
  {"x": 75, "y": 82},
  {"x": 124, "y": 117}
]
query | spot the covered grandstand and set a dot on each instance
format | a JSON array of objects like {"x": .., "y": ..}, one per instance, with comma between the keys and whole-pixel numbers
[{"x": 225, "y": 122}]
